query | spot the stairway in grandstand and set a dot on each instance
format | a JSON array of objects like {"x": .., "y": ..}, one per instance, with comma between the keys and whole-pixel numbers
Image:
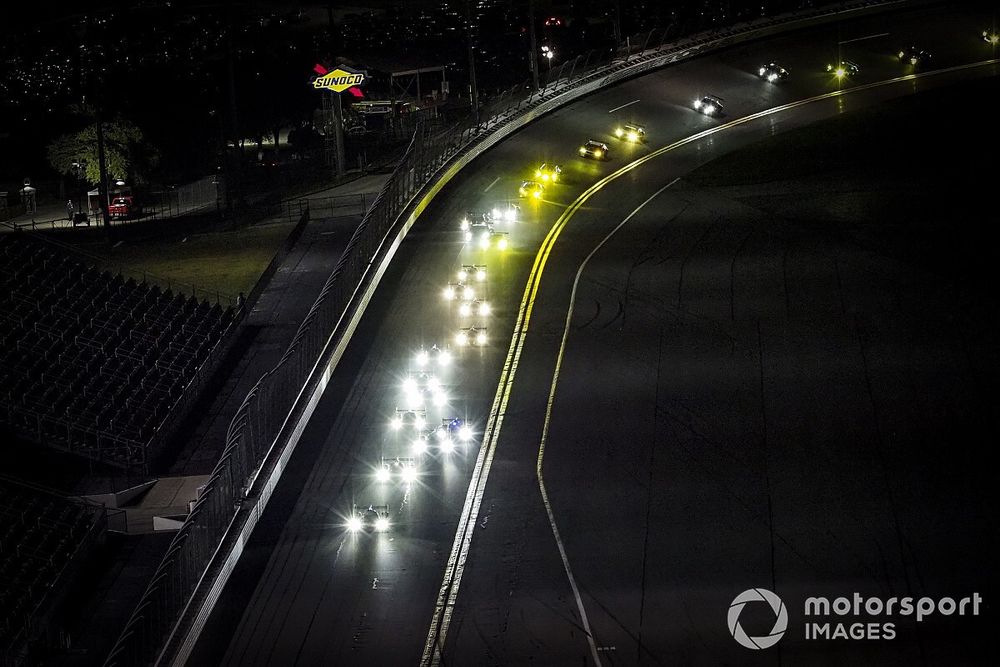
[{"x": 92, "y": 362}]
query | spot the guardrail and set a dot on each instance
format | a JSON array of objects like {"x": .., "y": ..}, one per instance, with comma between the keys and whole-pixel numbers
[{"x": 261, "y": 438}]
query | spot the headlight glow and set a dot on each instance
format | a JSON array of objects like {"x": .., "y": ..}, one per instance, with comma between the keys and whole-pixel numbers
[
  {"x": 440, "y": 399},
  {"x": 496, "y": 213},
  {"x": 462, "y": 275},
  {"x": 422, "y": 358},
  {"x": 536, "y": 194},
  {"x": 839, "y": 72},
  {"x": 710, "y": 108},
  {"x": 461, "y": 339},
  {"x": 481, "y": 338},
  {"x": 382, "y": 474},
  {"x": 484, "y": 309},
  {"x": 484, "y": 241},
  {"x": 419, "y": 422},
  {"x": 381, "y": 524},
  {"x": 419, "y": 446},
  {"x": 448, "y": 293},
  {"x": 354, "y": 524},
  {"x": 468, "y": 293},
  {"x": 633, "y": 136},
  {"x": 502, "y": 243},
  {"x": 465, "y": 433},
  {"x": 761, "y": 71},
  {"x": 409, "y": 475},
  {"x": 447, "y": 446},
  {"x": 772, "y": 76},
  {"x": 444, "y": 357},
  {"x": 697, "y": 104},
  {"x": 465, "y": 224},
  {"x": 583, "y": 151},
  {"x": 598, "y": 153},
  {"x": 465, "y": 310},
  {"x": 510, "y": 215},
  {"x": 396, "y": 423},
  {"x": 480, "y": 275},
  {"x": 410, "y": 385}
]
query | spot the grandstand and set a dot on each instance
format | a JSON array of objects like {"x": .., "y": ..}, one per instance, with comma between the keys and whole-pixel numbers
[
  {"x": 43, "y": 539},
  {"x": 91, "y": 362}
]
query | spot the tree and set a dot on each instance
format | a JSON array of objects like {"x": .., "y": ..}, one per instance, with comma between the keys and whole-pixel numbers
[{"x": 127, "y": 156}]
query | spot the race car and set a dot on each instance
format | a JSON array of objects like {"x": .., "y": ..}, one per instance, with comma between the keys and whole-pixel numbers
[
  {"x": 459, "y": 291},
  {"x": 400, "y": 469},
  {"x": 505, "y": 212},
  {"x": 478, "y": 307},
  {"x": 594, "y": 150},
  {"x": 548, "y": 172},
  {"x": 457, "y": 428},
  {"x": 434, "y": 356},
  {"x": 474, "y": 336},
  {"x": 409, "y": 418},
  {"x": 710, "y": 105},
  {"x": 631, "y": 133},
  {"x": 477, "y": 229},
  {"x": 475, "y": 272},
  {"x": 531, "y": 189},
  {"x": 475, "y": 218},
  {"x": 991, "y": 36},
  {"x": 420, "y": 387},
  {"x": 373, "y": 518},
  {"x": 843, "y": 68},
  {"x": 772, "y": 72},
  {"x": 913, "y": 55},
  {"x": 493, "y": 239}
]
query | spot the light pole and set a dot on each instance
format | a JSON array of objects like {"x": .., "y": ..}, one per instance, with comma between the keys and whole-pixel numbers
[{"x": 532, "y": 47}]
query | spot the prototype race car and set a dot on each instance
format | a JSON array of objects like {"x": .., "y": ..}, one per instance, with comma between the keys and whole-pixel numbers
[
  {"x": 476, "y": 229},
  {"x": 532, "y": 189},
  {"x": 710, "y": 105},
  {"x": 478, "y": 307},
  {"x": 475, "y": 272},
  {"x": 631, "y": 133},
  {"x": 843, "y": 68},
  {"x": 420, "y": 387},
  {"x": 991, "y": 36},
  {"x": 400, "y": 469},
  {"x": 594, "y": 150},
  {"x": 459, "y": 291},
  {"x": 493, "y": 239},
  {"x": 548, "y": 172},
  {"x": 373, "y": 518},
  {"x": 505, "y": 212},
  {"x": 409, "y": 418},
  {"x": 772, "y": 72},
  {"x": 913, "y": 55},
  {"x": 436, "y": 356},
  {"x": 474, "y": 336}
]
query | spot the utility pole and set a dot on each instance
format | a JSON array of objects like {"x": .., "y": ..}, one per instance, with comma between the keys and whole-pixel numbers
[
  {"x": 103, "y": 195},
  {"x": 472, "y": 60},
  {"x": 338, "y": 131},
  {"x": 532, "y": 46}
]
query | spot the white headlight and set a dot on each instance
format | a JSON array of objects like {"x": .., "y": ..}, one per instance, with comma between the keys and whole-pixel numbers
[
  {"x": 697, "y": 104},
  {"x": 502, "y": 243},
  {"x": 396, "y": 422},
  {"x": 442, "y": 434},
  {"x": 481, "y": 338},
  {"x": 409, "y": 475},
  {"x": 484, "y": 309},
  {"x": 419, "y": 446},
  {"x": 410, "y": 385},
  {"x": 632, "y": 136},
  {"x": 772, "y": 76},
  {"x": 710, "y": 108},
  {"x": 382, "y": 474},
  {"x": 761, "y": 71},
  {"x": 381, "y": 524},
  {"x": 465, "y": 434},
  {"x": 447, "y": 446},
  {"x": 468, "y": 234},
  {"x": 484, "y": 241},
  {"x": 465, "y": 310},
  {"x": 354, "y": 524},
  {"x": 448, "y": 293},
  {"x": 468, "y": 293},
  {"x": 444, "y": 357},
  {"x": 496, "y": 213},
  {"x": 462, "y": 275},
  {"x": 440, "y": 399},
  {"x": 480, "y": 275},
  {"x": 461, "y": 339},
  {"x": 465, "y": 224},
  {"x": 419, "y": 423},
  {"x": 433, "y": 384},
  {"x": 510, "y": 215},
  {"x": 422, "y": 358}
]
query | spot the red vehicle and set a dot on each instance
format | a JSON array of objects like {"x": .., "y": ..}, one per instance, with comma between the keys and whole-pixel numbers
[{"x": 124, "y": 206}]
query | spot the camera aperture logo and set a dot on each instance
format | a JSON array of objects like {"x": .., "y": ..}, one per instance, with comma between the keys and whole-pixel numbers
[
  {"x": 780, "y": 618},
  {"x": 857, "y": 617}
]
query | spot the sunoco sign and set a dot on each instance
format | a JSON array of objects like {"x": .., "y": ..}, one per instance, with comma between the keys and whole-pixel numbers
[{"x": 339, "y": 80}]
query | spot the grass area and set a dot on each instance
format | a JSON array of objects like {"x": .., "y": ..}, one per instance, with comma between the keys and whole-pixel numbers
[{"x": 225, "y": 262}]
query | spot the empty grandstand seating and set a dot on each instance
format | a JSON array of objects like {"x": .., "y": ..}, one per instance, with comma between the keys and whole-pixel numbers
[
  {"x": 40, "y": 536},
  {"x": 90, "y": 361}
]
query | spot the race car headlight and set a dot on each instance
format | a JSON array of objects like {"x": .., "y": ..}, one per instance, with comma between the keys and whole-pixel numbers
[
  {"x": 446, "y": 446},
  {"x": 502, "y": 243},
  {"x": 538, "y": 172},
  {"x": 465, "y": 434},
  {"x": 419, "y": 423},
  {"x": 632, "y": 136},
  {"x": 481, "y": 338},
  {"x": 583, "y": 151},
  {"x": 901, "y": 54},
  {"x": 598, "y": 153},
  {"x": 772, "y": 76},
  {"x": 354, "y": 524},
  {"x": 440, "y": 399},
  {"x": 545, "y": 177},
  {"x": 462, "y": 275},
  {"x": 484, "y": 309},
  {"x": 710, "y": 108},
  {"x": 480, "y": 275},
  {"x": 697, "y": 104},
  {"x": 761, "y": 71},
  {"x": 396, "y": 423},
  {"x": 468, "y": 294},
  {"x": 448, "y": 293},
  {"x": 465, "y": 310},
  {"x": 484, "y": 241},
  {"x": 381, "y": 524},
  {"x": 422, "y": 358},
  {"x": 382, "y": 474},
  {"x": 496, "y": 213},
  {"x": 536, "y": 194},
  {"x": 555, "y": 176},
  {"x": 444, "y": 358},
  {"x": 510, "y": 215},
  {"x": 433, "y": 384},
  {"x": 419, "y": 446},
  {"x": 465, "y": 224},
  {"x": 461, "y": 339},
  {"x": 410, "y": 385},
  {"x": 522, "y": 192},
  {"x": 468, "y": 234},
  {"x": 409, "y": 475},
  {"x": 839, "y": 72},
  {"x": 913, "y": 60}
]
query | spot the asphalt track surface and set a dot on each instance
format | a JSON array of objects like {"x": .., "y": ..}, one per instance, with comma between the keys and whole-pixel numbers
[{"x": 690, "y": 450}]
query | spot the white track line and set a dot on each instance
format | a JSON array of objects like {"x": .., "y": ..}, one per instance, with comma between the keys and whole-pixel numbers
[
  {"x": 627, "y": 104},
  {"x": 491, "y": 184},
  {"x": 548, "y": 417},
  {"x": 861, "y": 39}
]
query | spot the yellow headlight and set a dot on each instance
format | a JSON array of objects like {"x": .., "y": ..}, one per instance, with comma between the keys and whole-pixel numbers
[
  {"x": 597, "y": 153},
  {"x": 536, "y": 194}
]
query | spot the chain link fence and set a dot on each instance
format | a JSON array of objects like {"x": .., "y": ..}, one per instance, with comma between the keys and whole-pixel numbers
[{"x": 241, "y": 482}]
